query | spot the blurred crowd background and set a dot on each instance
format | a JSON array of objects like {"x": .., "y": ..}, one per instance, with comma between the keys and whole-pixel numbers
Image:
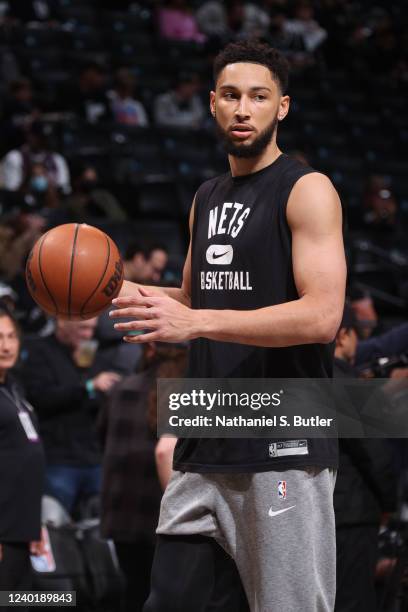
[{"x": 104, "y": 119}]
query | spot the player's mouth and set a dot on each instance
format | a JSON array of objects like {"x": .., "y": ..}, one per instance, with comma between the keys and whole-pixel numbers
[{"x": 241, "y": 130}]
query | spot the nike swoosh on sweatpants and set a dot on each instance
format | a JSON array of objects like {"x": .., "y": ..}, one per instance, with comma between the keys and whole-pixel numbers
[{"x": 274, "y": 513}]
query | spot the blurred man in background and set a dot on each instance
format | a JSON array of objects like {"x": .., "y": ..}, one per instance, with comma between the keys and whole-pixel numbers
[
  {"x": 66, "y": 381},
  {"x": 182, "y": 105},
  {"x": 366, "y": 487},
  {"x": 145, "y": 264}
]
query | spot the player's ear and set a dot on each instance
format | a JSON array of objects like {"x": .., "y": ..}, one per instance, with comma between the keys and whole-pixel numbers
[
  {"x": 212, "y": 103},
  {"x": 283, "y": 107}
]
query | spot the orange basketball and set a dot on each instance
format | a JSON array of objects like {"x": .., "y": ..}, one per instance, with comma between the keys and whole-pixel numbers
[{"x": 74, "y": 271}]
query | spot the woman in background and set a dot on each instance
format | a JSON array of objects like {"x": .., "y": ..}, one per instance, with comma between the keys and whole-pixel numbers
[{"x": 21, "y": 469}]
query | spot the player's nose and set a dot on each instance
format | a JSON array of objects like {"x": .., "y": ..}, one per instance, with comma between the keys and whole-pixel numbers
[{"x": 242, "y": 110}]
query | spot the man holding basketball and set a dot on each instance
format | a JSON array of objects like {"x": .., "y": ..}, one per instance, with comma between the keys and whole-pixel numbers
[{"x": 262, "y": 297}]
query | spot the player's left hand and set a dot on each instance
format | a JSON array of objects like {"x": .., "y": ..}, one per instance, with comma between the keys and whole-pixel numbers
[{"x": 162, "y": 318}]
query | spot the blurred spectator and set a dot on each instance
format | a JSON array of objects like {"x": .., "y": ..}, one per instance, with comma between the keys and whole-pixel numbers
[
  {"x": 389, "y": 344},
  {"x": 8, "y": 297},
  {"x": 144, "y": 264},
  {"x": 66, "y": 381},
  {"x": 366, "y": 487},
  {"x": 365, "y": 312},
  {"x": 182, "y": 106},
  {"x": 89, "y": 199},
  {"x": 17, "y": 237},
  {"x": 257, "y": 19},
  {"x": 17, "y": 164},
  {"x": 177, "y": 22},
  {"x": 379, "y": 202},
  {"x": 158, "y": 261},
  {"x": 288, "y": 41},
  {"x": 19, "y": 111},
  {"x": 303, "y": 24},
  {"x": 21, "y": 470},
  {"x": 88, "y": 97},
  {"x": 233, "y": 18},
  {"x": 126, "y": 110},
  {"x": 40, "y": 192},
  {"x": 131, "y": 491}
]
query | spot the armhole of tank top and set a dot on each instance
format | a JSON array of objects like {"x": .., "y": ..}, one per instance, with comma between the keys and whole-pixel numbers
[{"x": 203, "y": 192}]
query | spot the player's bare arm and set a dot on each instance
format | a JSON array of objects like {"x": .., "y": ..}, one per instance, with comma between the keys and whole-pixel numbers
[{"x": 315, "y": 218}]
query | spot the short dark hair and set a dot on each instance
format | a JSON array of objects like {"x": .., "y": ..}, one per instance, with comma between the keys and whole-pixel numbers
[
  {"x": 143, "y": 248},
  {"x": 135, "y": 248},
  {"x": 5, "y": 311},
  {"x": 254, "y": 52}
]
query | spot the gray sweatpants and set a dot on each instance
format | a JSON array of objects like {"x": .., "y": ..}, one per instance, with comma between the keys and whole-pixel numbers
[{"x": 277, "y": 526}]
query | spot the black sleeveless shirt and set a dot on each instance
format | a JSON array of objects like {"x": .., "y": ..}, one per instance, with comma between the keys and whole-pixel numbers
[{"x": 242, "y": 260}]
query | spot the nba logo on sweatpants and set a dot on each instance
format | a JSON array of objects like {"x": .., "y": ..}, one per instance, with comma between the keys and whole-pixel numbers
[{"x": 282, "y": 489}]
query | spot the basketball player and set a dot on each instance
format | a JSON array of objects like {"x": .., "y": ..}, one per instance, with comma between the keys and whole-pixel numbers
[{"x": 262, "y": 296}]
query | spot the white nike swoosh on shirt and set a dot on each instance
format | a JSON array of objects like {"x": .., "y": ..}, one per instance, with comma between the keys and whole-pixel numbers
[
  {"x": 274, "y": 513},
  {"x": 220, "y": 254}
]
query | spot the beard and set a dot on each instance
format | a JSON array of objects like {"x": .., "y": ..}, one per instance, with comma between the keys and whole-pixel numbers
[{"x": 246, "y": 151}]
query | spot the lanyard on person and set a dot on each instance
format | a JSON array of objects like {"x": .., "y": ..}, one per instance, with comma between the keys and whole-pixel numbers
[{"x": 23, "y": 413}]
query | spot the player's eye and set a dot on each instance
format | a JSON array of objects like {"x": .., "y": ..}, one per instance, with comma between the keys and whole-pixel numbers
[
  {"x": 260, "y": 98},
  {"x": 229, "y": 95}
]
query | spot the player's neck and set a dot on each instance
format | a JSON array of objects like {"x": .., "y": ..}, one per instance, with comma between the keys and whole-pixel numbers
[{"x": 241, "y": 166}]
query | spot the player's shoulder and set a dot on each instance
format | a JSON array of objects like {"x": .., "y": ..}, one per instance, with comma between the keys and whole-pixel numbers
[
  {"x": 314, "y": 183},
  {"x": 313, "y": 197}
]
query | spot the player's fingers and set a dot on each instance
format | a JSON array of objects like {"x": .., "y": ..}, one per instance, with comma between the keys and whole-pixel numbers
[
  {"x": 134, "y": 300},
  {"x": 130, "y": 312},
  {"x": 136, "y": 325},
  {"x": 142, "y": 338}
]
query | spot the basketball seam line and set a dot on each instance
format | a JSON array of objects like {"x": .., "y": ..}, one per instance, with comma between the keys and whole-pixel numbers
[
  {"x": 100, "y": 281},
  {"x": 71, "y": 271},
  {"x": 42, "y": 275}
]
